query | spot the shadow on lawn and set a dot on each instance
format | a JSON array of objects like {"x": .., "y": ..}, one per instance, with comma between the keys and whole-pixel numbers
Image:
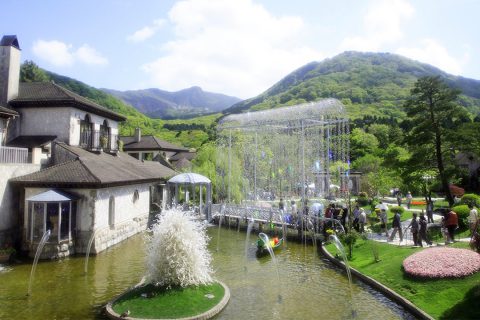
[{"x": 467, "y": 308}]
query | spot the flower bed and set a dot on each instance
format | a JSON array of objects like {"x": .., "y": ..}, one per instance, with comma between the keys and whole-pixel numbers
[
  {"x": 442, "y": 263},
  {"x": 418, "y": 203}
]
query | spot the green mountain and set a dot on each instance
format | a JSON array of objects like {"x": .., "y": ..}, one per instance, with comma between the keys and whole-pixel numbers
[
  {"x": 190, "y": 133},
  {"x": 186, "y": 103},
  {"x": 376, "y": 84}
]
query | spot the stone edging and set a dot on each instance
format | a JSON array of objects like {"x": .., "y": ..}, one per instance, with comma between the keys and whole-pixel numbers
[
  {"x": 417, "y": 312},
  {"x": 203, "y": 316}
]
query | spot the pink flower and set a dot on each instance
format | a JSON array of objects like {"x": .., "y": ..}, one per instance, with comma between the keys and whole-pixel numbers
[{"x": 442, "y": 263}]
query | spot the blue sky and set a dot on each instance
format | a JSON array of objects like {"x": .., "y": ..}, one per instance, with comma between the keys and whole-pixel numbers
[{"x": 235, "y": 47}]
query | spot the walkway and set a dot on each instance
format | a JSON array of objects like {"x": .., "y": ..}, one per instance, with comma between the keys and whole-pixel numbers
[{"x": 407, "y": 235}]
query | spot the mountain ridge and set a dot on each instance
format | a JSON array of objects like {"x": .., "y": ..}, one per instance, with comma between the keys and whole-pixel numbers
[
  {"x": 185, "y": 103},
  {"x": 371, "y": 82}
]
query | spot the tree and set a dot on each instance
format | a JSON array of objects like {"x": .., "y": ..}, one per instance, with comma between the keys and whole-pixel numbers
[
  {"x": 362, "y": 143},
  {"x": 30, "y": 72},
  {"x": 433, "y": 113}
]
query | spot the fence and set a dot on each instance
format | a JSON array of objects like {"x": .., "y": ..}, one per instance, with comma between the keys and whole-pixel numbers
[{"x": 13, "y": 155}]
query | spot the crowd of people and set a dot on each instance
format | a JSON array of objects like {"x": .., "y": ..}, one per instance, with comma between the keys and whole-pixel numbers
[{"x": 328, "y": 217}]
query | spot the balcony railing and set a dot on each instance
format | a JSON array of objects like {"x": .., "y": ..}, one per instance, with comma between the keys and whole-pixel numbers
[
  {"x": 93, "y": 140},
  {"x": 13, "y": 155}
]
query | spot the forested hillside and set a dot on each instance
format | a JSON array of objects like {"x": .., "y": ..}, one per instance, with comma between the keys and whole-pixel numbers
[
  {"x": 186, "y": 103},
  {"x": 190, "y": 133},
  {"x": 367, "y": 83}
]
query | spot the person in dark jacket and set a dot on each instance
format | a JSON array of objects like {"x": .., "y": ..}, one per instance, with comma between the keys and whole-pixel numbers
[
  {"x": 423, "y": 230},
  {"x": 397, "y": 226}
]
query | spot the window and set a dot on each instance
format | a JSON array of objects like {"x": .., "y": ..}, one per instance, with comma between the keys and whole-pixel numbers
[
  {"x": 111, "y": 211},
  {"x": 105, "y": 135},
  {"x": 136, "y": 196},
  {"x": 86, "y": 132}
]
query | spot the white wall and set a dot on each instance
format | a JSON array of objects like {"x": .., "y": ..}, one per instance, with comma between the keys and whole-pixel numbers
[
  {"x": 93, "y": 210},
  {"x": 63, "y": 122},
  {"x": 46, "y": 121},
  {"x": 8, "y": 201}
]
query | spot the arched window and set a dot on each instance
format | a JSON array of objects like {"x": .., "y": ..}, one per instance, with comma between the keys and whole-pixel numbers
[
  {"x": 111, "y": 211},
  {"x": 104, "y": 135},
  {"x": 136, "y": 196},
  {"x": 86, "y": 128}
]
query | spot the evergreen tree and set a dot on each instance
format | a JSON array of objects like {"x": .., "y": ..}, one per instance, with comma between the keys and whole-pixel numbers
[{"x": 433, "y": 114}]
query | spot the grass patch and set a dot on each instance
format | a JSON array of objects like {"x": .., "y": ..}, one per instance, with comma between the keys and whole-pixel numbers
[
  {"x": 170, "y": 303},
  {"x": 442, "y": 298}
]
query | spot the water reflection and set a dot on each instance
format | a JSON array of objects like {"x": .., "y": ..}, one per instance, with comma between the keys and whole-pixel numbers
[{"x": 311, "y": 287}]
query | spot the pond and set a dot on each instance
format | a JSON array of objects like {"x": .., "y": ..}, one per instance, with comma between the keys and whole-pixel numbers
[{"x": 306, "y": 287}]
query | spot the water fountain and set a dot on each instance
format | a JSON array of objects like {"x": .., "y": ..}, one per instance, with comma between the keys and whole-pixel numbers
[
  {"x": 341, "y": 249},
  {"x": 178, "y": 271},
  {"x": 266, "y": 241},
  {"x": 40, "y": 246},
  {"x": 89, "y": 246}
]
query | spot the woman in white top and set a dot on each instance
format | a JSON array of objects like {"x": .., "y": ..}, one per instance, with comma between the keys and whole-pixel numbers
[{"x": 472, "y": 218}]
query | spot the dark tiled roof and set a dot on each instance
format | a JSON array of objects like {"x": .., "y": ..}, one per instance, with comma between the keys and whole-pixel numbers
[
  {"x": 159, "y": 158},
  {"x": 38, "y": 94},
  {"x": 30, "y": 141},
  {"x": 182, "y": 163},
  {"x": 7, "y": 112},
  {"x": 96, "y": 170},
  {"x": 183, "y": 155},
  {"x": 149, "y": 143},
  {"x": 10, "y": 40}
]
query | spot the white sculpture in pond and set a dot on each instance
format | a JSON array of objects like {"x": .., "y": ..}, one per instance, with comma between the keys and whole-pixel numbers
[{"x": 177, "y": 252}]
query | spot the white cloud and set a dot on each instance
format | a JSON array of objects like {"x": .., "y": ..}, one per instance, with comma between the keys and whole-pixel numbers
[
  {"x": 433, "y": 53},
  {"x": 234, "y": 47},
  {"x": 60, "y": 54},
  {"x": 382, "y": 25},
  {"x": 146, "y": 32},
  {"x": 54, "y": 52},
  {"x": 89, "y": 55}
]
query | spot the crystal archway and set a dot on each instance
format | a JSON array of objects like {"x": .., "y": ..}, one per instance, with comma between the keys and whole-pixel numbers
[{"x": 299, "y": 151}]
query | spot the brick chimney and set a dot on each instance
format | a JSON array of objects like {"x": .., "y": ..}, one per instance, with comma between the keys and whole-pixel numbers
[
  {"x": 138, "y": 135},
  {"x": 9, "y": 69}
]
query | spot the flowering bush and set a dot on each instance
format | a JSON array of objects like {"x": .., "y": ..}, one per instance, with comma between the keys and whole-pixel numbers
[
  {"x": 442, "y": 263},
  {"x": 177, "y": 252}
]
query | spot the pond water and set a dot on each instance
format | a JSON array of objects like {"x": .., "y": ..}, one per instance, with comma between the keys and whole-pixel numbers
[{"x": 309, "y": 286}]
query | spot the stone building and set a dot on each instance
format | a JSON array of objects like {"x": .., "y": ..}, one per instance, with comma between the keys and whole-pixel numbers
[
  {"x": 152, "y": 148},
  {"x": 87, "y": 189}
]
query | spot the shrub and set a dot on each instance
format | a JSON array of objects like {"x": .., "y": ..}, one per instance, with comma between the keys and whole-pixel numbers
[
  {"x": 363, "y": 200},
  {"x": 362, "y": 194},
  {"x": 462, "y": 211},
  {"x": 397, "y": 209},
  {"x": 470, "y": 198}
]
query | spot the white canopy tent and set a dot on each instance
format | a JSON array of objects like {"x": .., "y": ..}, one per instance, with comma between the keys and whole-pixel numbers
[{"x": 190, "y": 181}]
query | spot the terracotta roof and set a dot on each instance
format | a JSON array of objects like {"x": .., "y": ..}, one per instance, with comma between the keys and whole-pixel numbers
[
  {"x": 7, "y": 112},
  {"x": 149, "y": 143},
  {"x": 96, "y": 170},
  {"x": 40, "y": 94},
  {"x": 30, "y": 141}
]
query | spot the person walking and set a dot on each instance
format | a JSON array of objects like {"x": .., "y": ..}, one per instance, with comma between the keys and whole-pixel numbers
[
  {"x": 423, "y": 230},
  {"x": 362, "y": 219},
  {"x": 397, "y": 226},
  {"x": 451, "y": 223},
  {"x": 414, "y": 226},
  {"x": 472, "y": 218},
  {"x": 409, "y": 199},
  {"x": 399, "y": 198},
  {"x": 430, "y": 211}
]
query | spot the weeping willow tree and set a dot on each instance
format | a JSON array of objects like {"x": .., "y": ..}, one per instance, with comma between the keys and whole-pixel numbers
[{"x": 295, "y": 152}]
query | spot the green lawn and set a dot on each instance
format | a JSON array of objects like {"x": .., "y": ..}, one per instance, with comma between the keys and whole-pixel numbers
[
  {"x": 169, "y": 303},
  {"x": 442, "y": 299}
]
